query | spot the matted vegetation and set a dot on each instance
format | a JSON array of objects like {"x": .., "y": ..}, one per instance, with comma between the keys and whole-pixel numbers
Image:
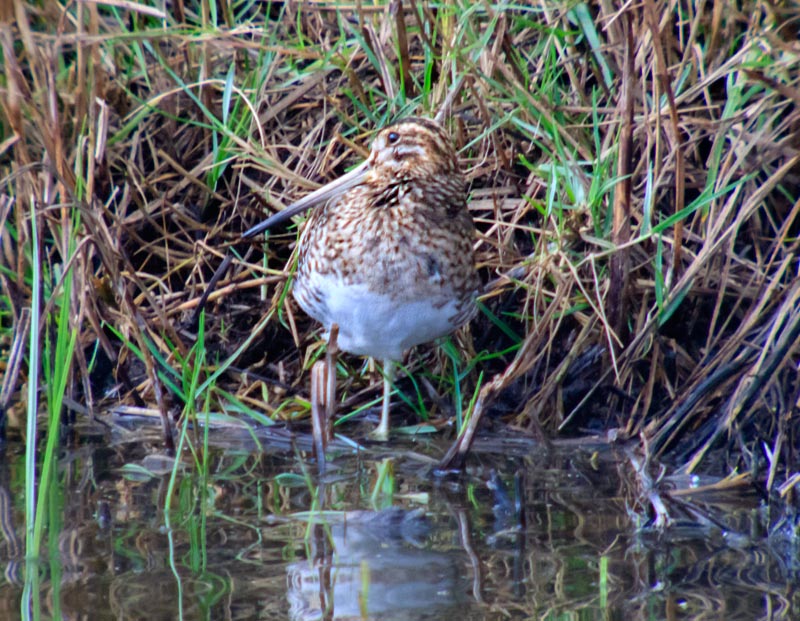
[{"x": 634, "y": 178}]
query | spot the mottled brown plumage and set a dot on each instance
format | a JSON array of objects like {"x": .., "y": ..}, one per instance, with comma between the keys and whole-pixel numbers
[{"x": 388, "y": 257}]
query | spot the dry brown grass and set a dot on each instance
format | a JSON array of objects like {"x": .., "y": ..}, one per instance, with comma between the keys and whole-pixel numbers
[{"x": 636, "y": 197}]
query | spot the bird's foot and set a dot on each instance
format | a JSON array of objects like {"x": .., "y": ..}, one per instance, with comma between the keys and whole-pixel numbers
[{"x": 380, "y": 433}]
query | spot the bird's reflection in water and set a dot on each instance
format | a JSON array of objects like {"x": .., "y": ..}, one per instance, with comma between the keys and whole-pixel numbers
[{"x": 371, "y": 565}]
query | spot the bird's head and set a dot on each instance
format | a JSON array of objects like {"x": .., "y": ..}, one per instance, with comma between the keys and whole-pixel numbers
[{"x": 412, "y": 148}]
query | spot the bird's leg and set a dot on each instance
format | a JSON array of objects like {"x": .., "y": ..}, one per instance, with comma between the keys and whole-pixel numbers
[{"x": 381, "y": 432}]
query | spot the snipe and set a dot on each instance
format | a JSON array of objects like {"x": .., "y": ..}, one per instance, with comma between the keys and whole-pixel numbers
[{"x": 388, "y": 257}]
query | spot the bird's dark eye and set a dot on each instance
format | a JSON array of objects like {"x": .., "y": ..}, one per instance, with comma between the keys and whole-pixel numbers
[{"x": 393, "y": 137}]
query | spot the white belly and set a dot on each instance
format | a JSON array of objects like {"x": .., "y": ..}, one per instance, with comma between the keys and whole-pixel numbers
[{"x": 372, "y": 324}]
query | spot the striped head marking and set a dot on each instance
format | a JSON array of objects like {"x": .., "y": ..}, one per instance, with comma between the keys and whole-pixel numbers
[{"x": 412, "y": 147}]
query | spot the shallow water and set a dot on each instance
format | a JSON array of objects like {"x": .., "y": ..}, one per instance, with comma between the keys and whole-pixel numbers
[{"x": 527, "y": 534}]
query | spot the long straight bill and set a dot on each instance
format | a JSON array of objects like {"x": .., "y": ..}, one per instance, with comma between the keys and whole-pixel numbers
[{"x": 316, "y": 198}]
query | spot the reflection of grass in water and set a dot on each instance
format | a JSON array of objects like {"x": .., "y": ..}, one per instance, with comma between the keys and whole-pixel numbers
[{"x": 573, "y": 521}]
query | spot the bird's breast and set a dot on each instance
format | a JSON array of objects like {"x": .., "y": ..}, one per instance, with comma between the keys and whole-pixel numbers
[{"x": 378, "y": 323}]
